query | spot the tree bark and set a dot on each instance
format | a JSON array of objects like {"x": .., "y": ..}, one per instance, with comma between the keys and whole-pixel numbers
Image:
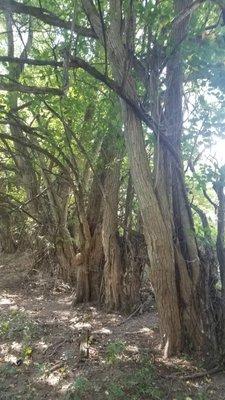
[
  {"x": 90, "y": 233},
  {"x": 158, "y": 239},
  {"x": 220, "y": 241},
  {"x": 112, "y": 275},
  {"x": 94, "y": 217},
  {"x": 173, "y": 199},
  {"x": 7, "y": 243}
]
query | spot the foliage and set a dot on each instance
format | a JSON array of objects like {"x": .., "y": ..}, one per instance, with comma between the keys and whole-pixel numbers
[
  {"x": 78, "y": 389},
  {"x": 114, "y": 350},
  {"x": 68, "y": 90},
  {"x": 135, "y": 385},
  {"x": 17, "y": 326}
]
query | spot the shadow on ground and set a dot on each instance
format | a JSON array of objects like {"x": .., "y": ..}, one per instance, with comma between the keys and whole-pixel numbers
[{"x": 51, "y": 351}]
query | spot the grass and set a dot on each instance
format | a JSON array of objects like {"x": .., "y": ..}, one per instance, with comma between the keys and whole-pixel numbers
[
  {"x": 122, "y": 378},
  {"x": 135, "y": 385},
  {"x": 16, "y": 326},
  {"x": 114, "y": 351}
]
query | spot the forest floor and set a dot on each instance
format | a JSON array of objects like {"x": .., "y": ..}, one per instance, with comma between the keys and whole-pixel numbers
[{"x": 40, "y": 348}]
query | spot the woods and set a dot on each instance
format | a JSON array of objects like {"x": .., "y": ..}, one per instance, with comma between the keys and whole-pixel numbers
[{"x": 112, "y": 156}]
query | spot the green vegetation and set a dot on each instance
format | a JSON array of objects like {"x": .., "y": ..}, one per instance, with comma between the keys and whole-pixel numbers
[
  {"x": 112, "y": 121},
  {"x": 114, "y": 351},
  {"x": 136, "y": 385},
  {"x": 78, "y": 390},
  {"x": 17, "y": 326}
]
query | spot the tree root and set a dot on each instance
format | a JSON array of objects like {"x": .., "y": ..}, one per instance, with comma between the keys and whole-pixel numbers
[
  {"x": 133, "y": 314},
  {"x": 197, "y": 375}
]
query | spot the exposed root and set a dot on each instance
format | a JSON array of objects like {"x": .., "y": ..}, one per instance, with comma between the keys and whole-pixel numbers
[{"x": 197, "y": 375}]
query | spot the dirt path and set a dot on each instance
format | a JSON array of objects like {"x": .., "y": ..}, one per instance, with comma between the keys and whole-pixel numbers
[{"x": 46, "y": 353}]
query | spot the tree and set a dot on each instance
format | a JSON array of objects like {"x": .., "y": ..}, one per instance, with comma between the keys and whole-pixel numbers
[{"x": 141, "y": 55}]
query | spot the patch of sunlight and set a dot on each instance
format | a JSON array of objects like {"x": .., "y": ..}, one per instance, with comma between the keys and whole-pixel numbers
[
  {"x": 41, "y": 345},
  {"x": 94, "y": 310},
  {"x": 14, "y": 307},
  {"x": 43, "y": 378},
  {"x": 64, "y": 301},
  {"x": 132, "y": 349},
  {"x": 53, "y": 379},
  {"x": 182, "y": 363},
  {"x": 114, "y": 319},
  {"x": 30, "y": 313},
  {"x": 145, "y": 330},
  {"x": 104, "y": 330},
  {"x": 62, "y": 314},
  {"x": 4, "y": 349},
  {"x": 16, "y": 346},
  {"x": 64, "y": 388},
  {"x": 75, "y": 319},
  {"x": 5, "y": 301},
  {"x": 82, "y": 325},
  {"x": 10, "y": 358},
  {"x": 40, "y": 297}
]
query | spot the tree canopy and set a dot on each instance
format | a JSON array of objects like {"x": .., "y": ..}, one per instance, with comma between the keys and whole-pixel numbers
[{"x": 112, "y": 153}]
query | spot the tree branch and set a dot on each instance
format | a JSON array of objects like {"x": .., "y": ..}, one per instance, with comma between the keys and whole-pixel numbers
[
  {"x": 18, "y": 87},
  {"x": 45, "y": 16},
  {"x": 210, "y": 200},
  {"x": 187, "y": 11},
  {"x": 20, "y": 207},
  {"x": 77, "y": 62},
  {"x": 39, "y": 149}
]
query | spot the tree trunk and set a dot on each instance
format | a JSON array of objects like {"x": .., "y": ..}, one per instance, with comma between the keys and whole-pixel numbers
[
  {"x": 90, "y": 221},
  {"x": 209, "y": 254},
  {"x": 83, "y": 288},
  {"x": 174, "y": 203},
  {"x": 112, "y": 289},
  {"x": 220, "y": 241},
  {"x": 132, "y": 254},
  {"x": 58, "y": 194},
  {"x": 134, "y": 258},
  {"x": 7, "y": 244},
  {"x": 65, "y": 254},
  {"x": 220, "y": 249},
  {"x": 94, "y": 217},
  {"x": 169, "y": 270},
  {"x": 158, "y": 238}
]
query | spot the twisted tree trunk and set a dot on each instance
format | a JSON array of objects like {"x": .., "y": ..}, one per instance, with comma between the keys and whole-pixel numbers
[
  {"x": 158, "y": 238},
  {"x": 174, "y": 203},
  {"x": 167, "y": 220}
]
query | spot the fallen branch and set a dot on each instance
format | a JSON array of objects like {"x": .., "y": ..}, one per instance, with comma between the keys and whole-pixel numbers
[
  {"x": 55, "y": 367},
  {"x": 197, "y": 375}
]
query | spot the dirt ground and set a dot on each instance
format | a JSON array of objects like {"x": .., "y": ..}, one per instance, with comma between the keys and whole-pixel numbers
[{"x": 48, "y": 350}]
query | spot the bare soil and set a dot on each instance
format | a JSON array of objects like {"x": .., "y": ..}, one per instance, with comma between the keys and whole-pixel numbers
[{"x": 46, "y": 352}]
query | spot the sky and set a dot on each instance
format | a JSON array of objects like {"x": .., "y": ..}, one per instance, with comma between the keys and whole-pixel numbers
[{"x": 218, "y": 151}]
